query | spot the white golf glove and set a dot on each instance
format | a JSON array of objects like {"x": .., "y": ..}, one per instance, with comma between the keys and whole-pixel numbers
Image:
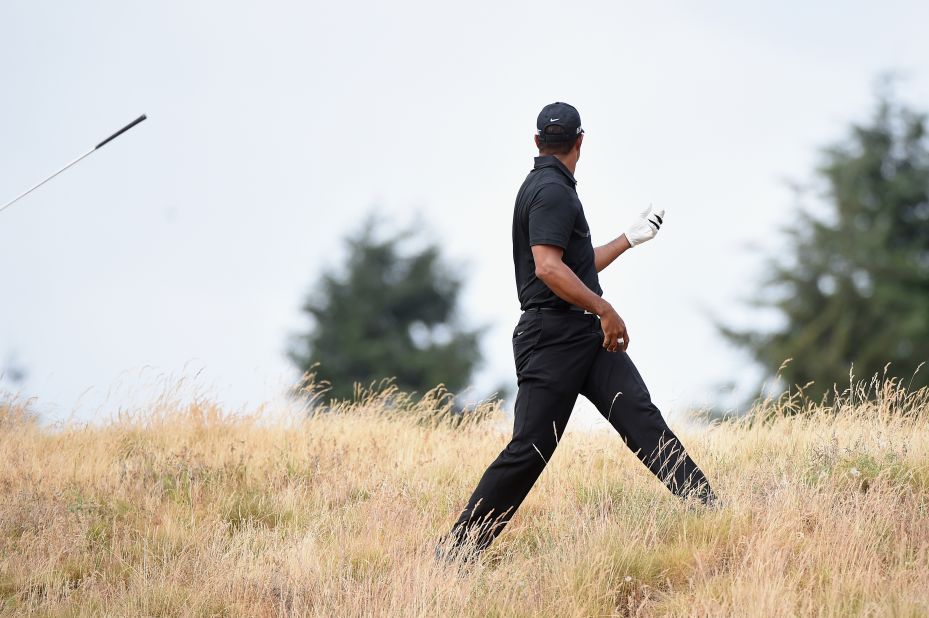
[{"x": 646, "y": 227}]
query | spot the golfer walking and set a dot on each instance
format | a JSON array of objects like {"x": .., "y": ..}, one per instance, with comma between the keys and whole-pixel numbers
[{"x": 568, "y": 341}]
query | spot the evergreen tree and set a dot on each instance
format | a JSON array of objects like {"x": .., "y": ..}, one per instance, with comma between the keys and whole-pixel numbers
[
  {"x": 854, "y": 287},
  {"x": 391, "y": 313}
]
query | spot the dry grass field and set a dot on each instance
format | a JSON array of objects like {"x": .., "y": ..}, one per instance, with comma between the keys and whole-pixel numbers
[{"x": 185, "y": 509}]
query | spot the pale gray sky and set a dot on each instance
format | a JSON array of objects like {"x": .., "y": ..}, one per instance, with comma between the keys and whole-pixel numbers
[{"x": 187, "y": 245}]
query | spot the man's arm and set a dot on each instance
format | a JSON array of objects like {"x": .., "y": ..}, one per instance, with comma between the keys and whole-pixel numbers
[
  {"x": 644, "y": 229},
  {"x": 565, "y": 284},
  {"x": 605, "y": 254}
]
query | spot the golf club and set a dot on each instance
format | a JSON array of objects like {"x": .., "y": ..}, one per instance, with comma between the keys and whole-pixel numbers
[{"x": 97, "y": 147}]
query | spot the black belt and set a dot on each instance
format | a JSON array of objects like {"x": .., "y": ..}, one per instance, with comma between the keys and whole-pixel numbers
[{"x": 559, "y": 309}]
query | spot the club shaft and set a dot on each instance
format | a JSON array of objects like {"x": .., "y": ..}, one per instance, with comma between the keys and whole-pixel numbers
[
  {"x": 25, "y": 193},
  {"x": 97, "y": 147}
]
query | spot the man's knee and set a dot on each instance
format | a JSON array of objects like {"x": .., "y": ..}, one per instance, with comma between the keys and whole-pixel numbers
[{"x": 534, "y": 452}]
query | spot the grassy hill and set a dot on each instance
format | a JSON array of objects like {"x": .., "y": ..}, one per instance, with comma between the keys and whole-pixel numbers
[{"x": 185, "y": 509}]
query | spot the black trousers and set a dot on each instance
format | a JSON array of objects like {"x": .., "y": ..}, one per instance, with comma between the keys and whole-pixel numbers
[{"x": 559, "y": 355}]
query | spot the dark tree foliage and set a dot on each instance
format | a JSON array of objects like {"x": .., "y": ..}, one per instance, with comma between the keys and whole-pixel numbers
[
  {"x": 853, "y": 287},
  {"x": 390, "y": 313}
]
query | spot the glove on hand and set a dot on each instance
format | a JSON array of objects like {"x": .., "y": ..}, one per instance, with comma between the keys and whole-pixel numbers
[{"x": 646, "y": 227}]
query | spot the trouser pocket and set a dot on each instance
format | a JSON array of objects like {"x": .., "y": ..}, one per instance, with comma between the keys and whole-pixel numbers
[{"x": 526, "y": 337}]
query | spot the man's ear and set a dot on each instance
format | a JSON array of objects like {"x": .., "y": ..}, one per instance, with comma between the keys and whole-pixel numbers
[
  {"x": 580, "y": 139},
  {"x": 538, "y": 142}
]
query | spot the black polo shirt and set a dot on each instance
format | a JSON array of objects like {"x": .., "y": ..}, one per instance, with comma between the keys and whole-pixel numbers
[{"x": 548, "y": 212}]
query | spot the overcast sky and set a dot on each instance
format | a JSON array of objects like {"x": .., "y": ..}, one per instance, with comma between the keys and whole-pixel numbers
[{"x": 186, "y": 247}]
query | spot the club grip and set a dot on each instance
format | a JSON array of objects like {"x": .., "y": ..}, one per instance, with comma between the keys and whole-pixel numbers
[{"x": 121, "y": 131}]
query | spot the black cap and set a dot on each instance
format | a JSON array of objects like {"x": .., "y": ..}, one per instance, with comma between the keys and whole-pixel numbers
[{"x": 561, "y": 115}]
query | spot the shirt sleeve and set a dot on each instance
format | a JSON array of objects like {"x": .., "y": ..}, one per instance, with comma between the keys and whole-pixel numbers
[{"x": 551, "y": 216}]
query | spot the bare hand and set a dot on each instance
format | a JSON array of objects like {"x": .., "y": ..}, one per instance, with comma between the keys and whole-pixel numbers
[{"x": 614, "y": 330}]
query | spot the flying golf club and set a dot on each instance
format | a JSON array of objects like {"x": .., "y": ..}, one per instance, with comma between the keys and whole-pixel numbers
[{"x": 94, "y": 149}]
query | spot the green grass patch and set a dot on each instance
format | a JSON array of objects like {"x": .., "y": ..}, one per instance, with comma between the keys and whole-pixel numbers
[{"x": 252, "y": 508}]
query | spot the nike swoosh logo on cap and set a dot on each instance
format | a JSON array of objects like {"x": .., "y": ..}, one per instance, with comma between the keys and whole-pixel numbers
[{"x": 553, "y": 120}]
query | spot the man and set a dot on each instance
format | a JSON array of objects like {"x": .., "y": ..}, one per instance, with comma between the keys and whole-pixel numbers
[{"x": 568, "y": 341}]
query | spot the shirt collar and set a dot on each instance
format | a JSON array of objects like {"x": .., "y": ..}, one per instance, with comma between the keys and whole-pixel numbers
[{"x": 552, "y": 161}]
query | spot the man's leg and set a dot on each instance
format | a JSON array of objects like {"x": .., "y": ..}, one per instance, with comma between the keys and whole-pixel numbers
[
  {"x": 550, "y": 374},
  {"x": 615, "y": 387},
  {"x": 540, "y": 419}
]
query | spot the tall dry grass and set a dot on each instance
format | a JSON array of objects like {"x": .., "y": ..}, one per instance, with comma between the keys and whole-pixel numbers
[{"x": 185, "y": 509}]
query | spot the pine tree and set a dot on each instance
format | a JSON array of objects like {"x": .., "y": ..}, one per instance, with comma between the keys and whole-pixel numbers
[
  {"x": 391, "y": 313},
  {"x": 854, "y": 287}
]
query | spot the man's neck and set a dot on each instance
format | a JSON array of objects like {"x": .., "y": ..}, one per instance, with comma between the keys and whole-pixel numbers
[{"x": 569, "y": 161}]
